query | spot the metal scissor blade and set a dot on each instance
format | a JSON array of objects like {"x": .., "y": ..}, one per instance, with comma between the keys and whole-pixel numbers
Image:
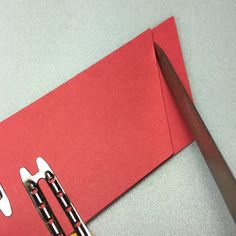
[
  {"x": 214, "y": 159},
  {"x": 5, "y": 205}
]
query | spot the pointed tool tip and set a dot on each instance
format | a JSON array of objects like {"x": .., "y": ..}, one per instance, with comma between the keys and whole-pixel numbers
[{"x": 158, "y": 50}]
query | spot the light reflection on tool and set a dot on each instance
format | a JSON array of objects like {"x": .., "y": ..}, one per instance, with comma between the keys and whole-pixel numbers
[
  {"x": 5, "y": 205},
  {"x": 42, "y": 205}
]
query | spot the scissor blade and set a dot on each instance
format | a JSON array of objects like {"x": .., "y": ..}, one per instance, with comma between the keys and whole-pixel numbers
[{"x": 214, "y": 159}]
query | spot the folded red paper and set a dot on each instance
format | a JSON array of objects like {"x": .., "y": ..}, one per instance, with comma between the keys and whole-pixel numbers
[
  {"x": 167, "y": 37},
  {"x": 101, "y": 132}
]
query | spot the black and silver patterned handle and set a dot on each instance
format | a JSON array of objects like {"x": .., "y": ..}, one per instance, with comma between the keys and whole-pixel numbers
[
  {"x": 70, "y": 211},
  {"x": 42, "y": 205},
  {"x": 43, "y": 208}
]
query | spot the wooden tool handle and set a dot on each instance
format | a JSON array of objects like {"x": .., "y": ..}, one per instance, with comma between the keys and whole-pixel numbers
[{"x": 74, "y": 234}]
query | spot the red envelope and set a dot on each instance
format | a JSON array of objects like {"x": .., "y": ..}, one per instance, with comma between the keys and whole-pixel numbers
[
  {"x": 167, "y": 37},
  {"x": 101, "y": 132}
]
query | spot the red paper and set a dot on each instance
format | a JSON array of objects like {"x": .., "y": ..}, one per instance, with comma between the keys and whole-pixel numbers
[
  {"x": 167, "y": 37},
  {"x": 101, "y": 132}
]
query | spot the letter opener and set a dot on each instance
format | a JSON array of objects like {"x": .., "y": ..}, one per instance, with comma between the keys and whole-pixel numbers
[{"x": 214, "y": 159}]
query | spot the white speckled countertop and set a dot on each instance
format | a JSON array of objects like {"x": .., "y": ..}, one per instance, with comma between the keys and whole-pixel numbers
[{"x": 44, "y": 43}]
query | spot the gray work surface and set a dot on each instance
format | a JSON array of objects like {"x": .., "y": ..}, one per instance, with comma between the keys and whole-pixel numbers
[{"x": 44, "y": 43}]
